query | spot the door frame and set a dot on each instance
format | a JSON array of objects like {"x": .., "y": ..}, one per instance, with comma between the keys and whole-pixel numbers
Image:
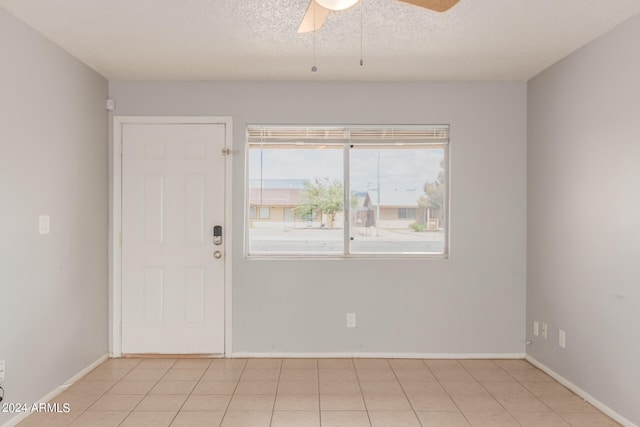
[{"x": 115, "y": 226}]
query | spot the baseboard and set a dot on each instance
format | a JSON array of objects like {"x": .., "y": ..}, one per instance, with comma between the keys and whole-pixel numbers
[
  {"x": 355, "y": 355},
  {"x": 580, "y": 392},
  {"x": 15, "y": 420}
]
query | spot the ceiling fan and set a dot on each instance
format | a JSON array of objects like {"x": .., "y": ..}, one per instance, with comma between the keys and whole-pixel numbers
[{"x": 319, "y": 10}]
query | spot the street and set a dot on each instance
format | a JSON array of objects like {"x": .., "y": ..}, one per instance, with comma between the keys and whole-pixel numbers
[{"x": 327, "y": 241}]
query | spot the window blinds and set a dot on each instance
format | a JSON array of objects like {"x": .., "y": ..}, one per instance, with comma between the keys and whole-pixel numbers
[{"x": 287, "y": 134}]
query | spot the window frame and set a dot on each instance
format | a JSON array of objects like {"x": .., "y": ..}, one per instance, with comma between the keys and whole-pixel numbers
[{"x": 347, "y": 145}]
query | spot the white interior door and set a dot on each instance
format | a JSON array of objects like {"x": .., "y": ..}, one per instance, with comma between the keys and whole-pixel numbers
[{"x": 173, "y": 182}]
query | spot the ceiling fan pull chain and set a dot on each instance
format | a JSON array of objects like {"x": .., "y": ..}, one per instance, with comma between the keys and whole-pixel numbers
[
  {"x": 361, "y": 30},
  {"x": 313, "y": 67}
]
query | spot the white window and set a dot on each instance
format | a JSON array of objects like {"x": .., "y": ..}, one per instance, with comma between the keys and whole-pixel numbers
[
  {"x": 265, "y": 212},
  {"x": 350, "y": 191},
  {"x": 406, "y": 213}
]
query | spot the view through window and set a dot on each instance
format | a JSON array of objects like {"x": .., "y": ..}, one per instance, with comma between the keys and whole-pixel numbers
[{"x": 342, "y": 191}]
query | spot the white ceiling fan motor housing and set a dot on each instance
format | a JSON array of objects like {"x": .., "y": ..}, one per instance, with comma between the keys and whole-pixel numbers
[{"x": 336, "y": 4}]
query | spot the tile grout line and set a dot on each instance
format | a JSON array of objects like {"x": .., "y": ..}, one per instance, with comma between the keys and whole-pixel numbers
[
  {"x": 244, "y": 367},
  {"x": 404, "y": 392},
  {"x": 147, "y": 394},
  {"x": 106, "y": 392},
  {"x": 190, "y": 393},
  {"x": 353, "y": 362},
  {"x": 319, "y": 397},
  {"x": 527, "y": 388},
  {"x": 490, "y": 394},
  {"x": 273, "y": 408},
  {"x": 445, "y": 390}
]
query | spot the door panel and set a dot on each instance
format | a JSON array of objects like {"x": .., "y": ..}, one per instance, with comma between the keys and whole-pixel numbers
[
  {"x": 153, "y": 209},
  {"x": 172, "y": 197}
]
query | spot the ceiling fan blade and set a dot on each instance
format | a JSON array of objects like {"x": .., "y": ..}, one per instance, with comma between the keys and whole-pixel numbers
[
  {"x": 316, "y": 13},
  {"x": 437, "y": 5}
]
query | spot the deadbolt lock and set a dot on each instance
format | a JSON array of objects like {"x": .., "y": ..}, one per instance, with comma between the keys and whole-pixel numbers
[{"x": 217, "y": 235}]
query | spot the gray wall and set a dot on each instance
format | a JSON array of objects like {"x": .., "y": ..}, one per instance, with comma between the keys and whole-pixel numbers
[
  {"x": 53, "y": 160},
  {"x": 584, "y": 217},
  {"x": 473, "y": 302}
]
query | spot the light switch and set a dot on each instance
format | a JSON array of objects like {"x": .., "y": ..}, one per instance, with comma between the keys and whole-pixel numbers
[{"x": 44, "y": 224}]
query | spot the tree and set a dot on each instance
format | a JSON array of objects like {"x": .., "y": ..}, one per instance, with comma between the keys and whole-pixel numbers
[
  {"x": 322, "y": 197},
  {"x": 433, "y": 197}
]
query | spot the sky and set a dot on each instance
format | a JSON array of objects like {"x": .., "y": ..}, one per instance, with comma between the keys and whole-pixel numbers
[{"x": 401, "y": 168}]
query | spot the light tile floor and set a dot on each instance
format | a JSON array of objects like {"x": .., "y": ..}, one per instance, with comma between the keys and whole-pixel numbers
[{"x": 319, "y": 392}]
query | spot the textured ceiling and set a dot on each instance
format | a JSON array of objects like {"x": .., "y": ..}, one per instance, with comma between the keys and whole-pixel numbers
[{"x": 258, "y": 39}]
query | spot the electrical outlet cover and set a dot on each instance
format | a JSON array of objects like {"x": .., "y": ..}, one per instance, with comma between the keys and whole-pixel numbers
[
  {"x": 562, "y": 338},
  {"x": 44, "y": 224},
  {"x": 351, "y": 320}
]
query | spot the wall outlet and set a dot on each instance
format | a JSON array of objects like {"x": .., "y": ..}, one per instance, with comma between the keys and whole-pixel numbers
[
  {"x": 44, "y": 224},
  {"x": 562, "y": 338},
  {"x": 2, "y": 369},
  {"x": 536, "y": 328},
  {"x": 351, "y": 320},
  {"x": 545, "y": 329}
]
